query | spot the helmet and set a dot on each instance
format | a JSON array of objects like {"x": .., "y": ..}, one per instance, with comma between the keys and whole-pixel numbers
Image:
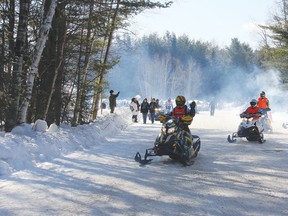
[
  {"x": 180, "y": 100},
  {"x": 262, "y": 94},
  {"x": 111, "y": 91},
  {"x": 253, "y": 102}
]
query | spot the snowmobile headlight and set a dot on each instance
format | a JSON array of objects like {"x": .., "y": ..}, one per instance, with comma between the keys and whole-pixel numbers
[
  {"x": 157, "y": 109},
  {"x": 250, "y": 119},
  {"x": 171, "y": 130}
]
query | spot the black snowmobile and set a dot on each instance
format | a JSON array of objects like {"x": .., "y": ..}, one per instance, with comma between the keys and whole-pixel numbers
[
  {"x": 173, "y": 141},
  {"x": 249, "y": 128}
]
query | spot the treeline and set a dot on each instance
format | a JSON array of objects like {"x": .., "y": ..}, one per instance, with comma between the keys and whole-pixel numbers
[
  {"x": 169, "y": 65},
  {"x": 55, "y": 56},
  {"x": 166, "y": 66}
]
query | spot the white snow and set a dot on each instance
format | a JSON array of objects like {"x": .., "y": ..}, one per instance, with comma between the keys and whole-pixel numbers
[{"x": 90, "y": 170}]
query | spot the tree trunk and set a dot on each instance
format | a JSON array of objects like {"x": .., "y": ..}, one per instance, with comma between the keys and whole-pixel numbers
[
  {"x": 44, "y": 31},
  {"x": 99, "y": 80},
  {"x": 88, "y": 44},
  {"x": 15, "y": 85},
  {"x": 60, "y": 32},
  {"x": 76, "y": 114}
]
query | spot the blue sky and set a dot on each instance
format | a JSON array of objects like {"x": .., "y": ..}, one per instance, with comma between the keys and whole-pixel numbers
[{"x": 208, "y": 20}]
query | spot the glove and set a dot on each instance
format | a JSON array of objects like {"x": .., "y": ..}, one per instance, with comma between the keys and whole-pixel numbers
[
  {"x": 187, "y": 119},
  {"x": 161, "y": 118},
  {"x": 258, "y": 114}
]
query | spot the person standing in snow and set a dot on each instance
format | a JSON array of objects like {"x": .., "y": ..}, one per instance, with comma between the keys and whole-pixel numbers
[
  {"x": 144, "y": 109},
  {"x": 152, "y": 107},
  {"x": 138, "y": 104},
  {"x": 212, "y": 106},
  {"x": 112, "y": 100},
  {"x": 134, "y": 109},
  {"x": 169, "y": 106}
]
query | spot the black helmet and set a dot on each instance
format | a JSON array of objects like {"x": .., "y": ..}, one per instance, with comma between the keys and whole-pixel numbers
[
  {"x": 262, "y": 94},
  {"x": 111, "y": 91},
  {"x": 253, "y": 102}
]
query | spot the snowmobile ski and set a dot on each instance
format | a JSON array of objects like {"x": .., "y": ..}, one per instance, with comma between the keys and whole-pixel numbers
[{"x": 140, "y": 160}]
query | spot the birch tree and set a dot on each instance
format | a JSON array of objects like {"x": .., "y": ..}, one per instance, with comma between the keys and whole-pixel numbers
[{"x": 43, "y": 35}]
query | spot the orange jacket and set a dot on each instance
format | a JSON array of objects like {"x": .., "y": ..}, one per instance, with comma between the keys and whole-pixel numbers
[
  {"x": 263, "y": 103},
  {"x": 255, "y": 110}
]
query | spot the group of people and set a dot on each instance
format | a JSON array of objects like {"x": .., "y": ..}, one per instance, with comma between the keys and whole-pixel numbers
[
  {"x": 145, "y": 108},
  {"x": 149, "y": 108}
]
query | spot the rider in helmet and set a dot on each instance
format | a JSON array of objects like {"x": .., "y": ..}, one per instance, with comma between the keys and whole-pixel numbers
[
  {"x": 253, "y": 110},
  {"x": 263, "y": 102},
  {"x": 264, "y": 105},
  {"x": 181, "y": 111}
]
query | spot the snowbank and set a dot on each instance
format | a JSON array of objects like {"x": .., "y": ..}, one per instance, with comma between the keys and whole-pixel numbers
[{"x": 28, "y": 144}]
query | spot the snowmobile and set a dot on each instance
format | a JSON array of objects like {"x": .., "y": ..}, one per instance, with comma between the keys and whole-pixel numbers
[
  {"x": 158, "y": 111},
  {"x": 249, "y": 128},
  {"x": 173, "y": 141}
]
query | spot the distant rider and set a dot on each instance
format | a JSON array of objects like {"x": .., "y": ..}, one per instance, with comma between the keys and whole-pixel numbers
[
  {"x": 264, "y": 105},
  {"x": 263, "y": 102}
]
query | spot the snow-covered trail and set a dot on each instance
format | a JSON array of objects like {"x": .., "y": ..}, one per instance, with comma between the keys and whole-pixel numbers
[{"x": 226, "y": 179}]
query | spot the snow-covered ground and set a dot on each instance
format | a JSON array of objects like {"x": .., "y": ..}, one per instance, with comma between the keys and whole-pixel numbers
[{"x": 90, "y": 170}]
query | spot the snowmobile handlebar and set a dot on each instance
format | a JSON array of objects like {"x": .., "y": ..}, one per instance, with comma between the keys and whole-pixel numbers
[
  {"x": 245, "y": 115},
  {"x": 265, "y": 111}
]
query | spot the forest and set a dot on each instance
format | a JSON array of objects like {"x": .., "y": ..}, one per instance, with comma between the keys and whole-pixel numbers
[{"x": 60, "y": 58}]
